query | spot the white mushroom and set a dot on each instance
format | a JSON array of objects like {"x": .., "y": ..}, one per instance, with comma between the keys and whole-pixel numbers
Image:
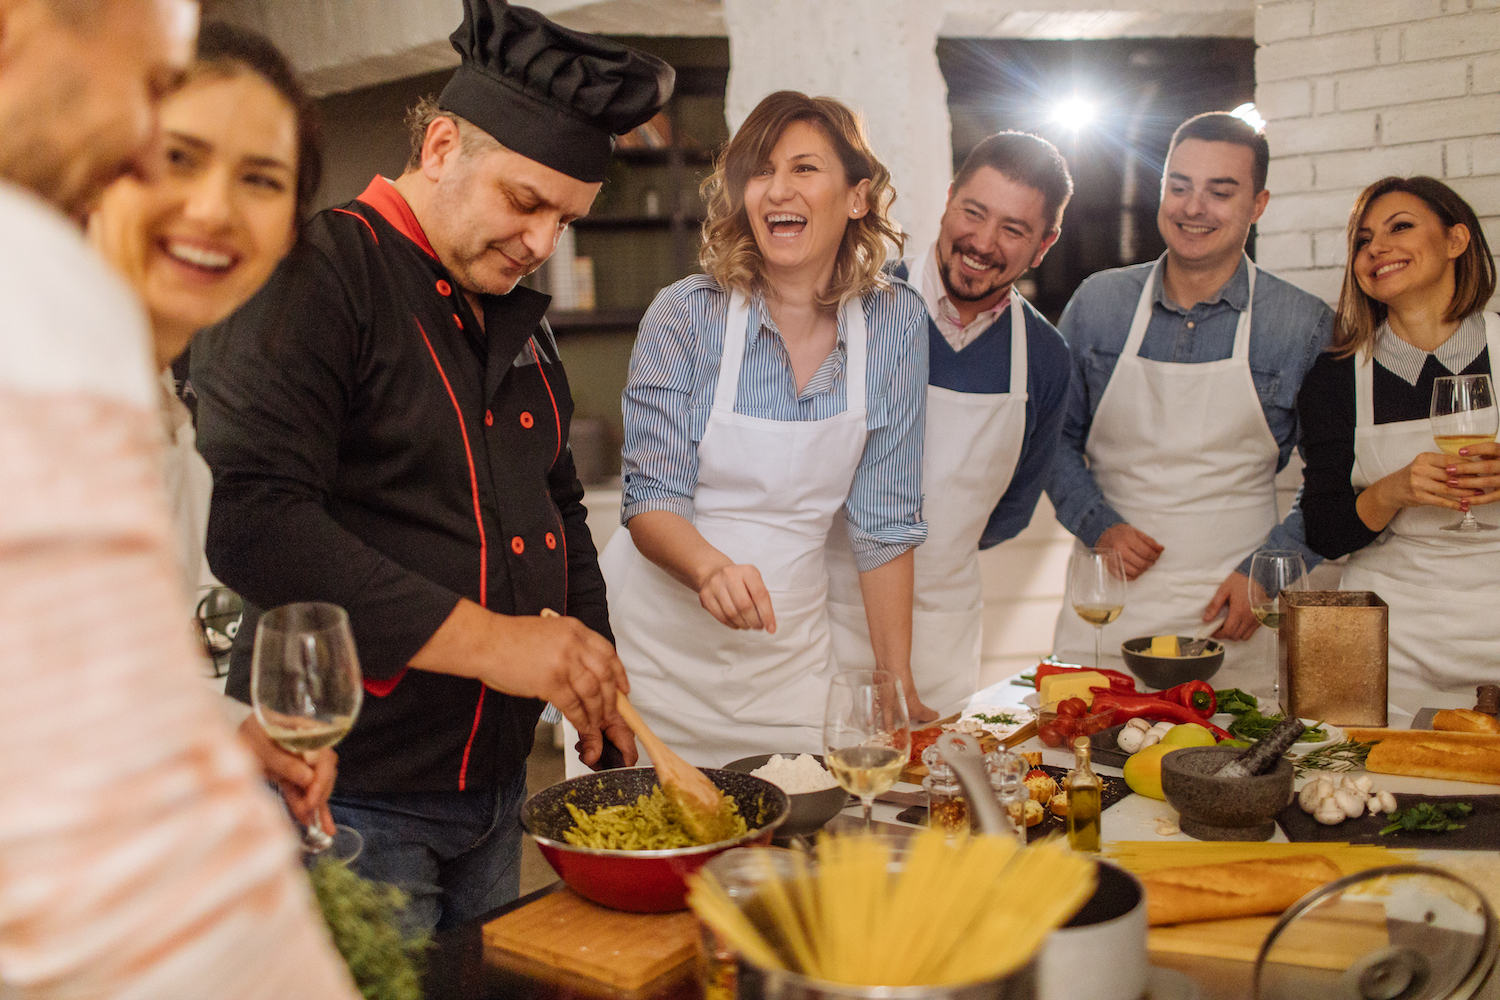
[
  {"x": 1387, "y": 802},
  {"x": 1310, "y": 796},
  {"x": 1130, "y": 740},
  {"x": 1372, "y": 804},
  {"x": 1163, "y": 727},
  {"x": 1329, "y": 813},
  {"x": 1140, "y": 724},
  {"x": 1152, "y": 738},
  {"x": 1364, "y": 783},
  {"x": 1352, "y": 803}
]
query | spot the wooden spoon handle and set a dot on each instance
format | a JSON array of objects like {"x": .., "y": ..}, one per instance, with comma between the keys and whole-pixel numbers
[{"x": 655, "y": 748}]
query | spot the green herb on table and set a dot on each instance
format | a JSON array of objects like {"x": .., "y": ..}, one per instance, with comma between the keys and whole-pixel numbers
[
  {"x": 1025, "y": 680},
  {"x": 1236, "y": 702},
  {"x": 1428, "y": 817},
  {"x": 1350, "y": 755},
  {"x": 1250, "y": 724},
  {"x": 362, "y": 918},
  {"x": 1000, "y": 719}
]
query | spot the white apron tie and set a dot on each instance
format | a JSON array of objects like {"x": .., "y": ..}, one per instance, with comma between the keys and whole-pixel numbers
[
  {"x": 972, "y": 443},
  {"x": 768, "y": 492},
  {"x": 1183, "y": 453},
  {"x": 1443, "y": 587}
]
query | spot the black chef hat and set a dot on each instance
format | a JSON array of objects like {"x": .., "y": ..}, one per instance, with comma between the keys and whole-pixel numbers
[{"x": 551, "y": 94}]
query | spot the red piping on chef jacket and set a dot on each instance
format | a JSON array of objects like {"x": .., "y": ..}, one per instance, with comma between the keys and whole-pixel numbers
[
  {"x": 361, "y": 218},
  {"x": 383, "y": 197},
  {"x": 557, "y": 420},
  {"x": 463, "y": 769}
]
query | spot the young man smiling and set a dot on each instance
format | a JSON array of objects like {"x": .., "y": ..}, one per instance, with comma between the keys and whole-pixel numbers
[
  {"x": 387, "y": 422},
  {"x": 1182, "y": 410},
  {"x": 997, "y": 390}
]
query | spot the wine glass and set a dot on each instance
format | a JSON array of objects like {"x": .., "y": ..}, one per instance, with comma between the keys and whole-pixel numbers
[
  {"x": 1272, "y": 573},
  {"x": 1464, "y": 414},
  {"x": 1096, "y": 586},
  {"x": 866, "y": 733},
  {"x": 306, "y": 689}
]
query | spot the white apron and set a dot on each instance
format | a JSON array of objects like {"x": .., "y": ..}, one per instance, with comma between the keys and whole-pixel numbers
[
  {"x": 768, "y": 492},
  {"x": 1183, "y": 453},
  {"x": 1443, "y": 587},
  {"x": 972, "y": 443}
]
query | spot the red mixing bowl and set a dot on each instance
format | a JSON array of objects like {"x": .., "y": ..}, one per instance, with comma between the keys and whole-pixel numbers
[{"x": 640, "y": 881}]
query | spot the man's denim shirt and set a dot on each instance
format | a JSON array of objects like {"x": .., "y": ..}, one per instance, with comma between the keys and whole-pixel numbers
[{"x": 1288, "y": 329}]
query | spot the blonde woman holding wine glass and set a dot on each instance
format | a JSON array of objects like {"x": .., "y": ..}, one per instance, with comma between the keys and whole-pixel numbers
[{"x": 1376, "y": 489}]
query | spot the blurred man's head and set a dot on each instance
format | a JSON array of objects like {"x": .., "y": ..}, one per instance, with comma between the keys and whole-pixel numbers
[
  {"x": 80, "y": 81},
  {"x": 1004, "y": 212},
  {"x": 1213, "y": 189}
]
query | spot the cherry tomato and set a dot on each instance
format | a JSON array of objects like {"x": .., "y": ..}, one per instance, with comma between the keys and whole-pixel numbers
[
  {"x": 1092, "y": 724},
  {"x": 1051, "y": 735},
  {"x": 1072, "y": 707}
]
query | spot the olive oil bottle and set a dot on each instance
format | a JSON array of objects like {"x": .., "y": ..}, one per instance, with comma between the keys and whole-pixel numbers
[{"x": 1085, "y": 795}]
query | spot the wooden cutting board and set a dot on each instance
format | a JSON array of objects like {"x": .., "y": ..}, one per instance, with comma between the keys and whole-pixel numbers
[
  {"x": 626, "y": 950},
  {"x": 1345, "y": 931},
  {"x": 915, "y": 772}
]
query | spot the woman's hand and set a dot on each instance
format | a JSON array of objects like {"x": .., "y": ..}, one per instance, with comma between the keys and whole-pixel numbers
[
  {"x": 914, "y": 707},
  {"x": 736, "y": 595},
  {"x": 1431, "y": 480},
  {"x": 1476, "y": 468},
  {"x": 305, "y": 781}
]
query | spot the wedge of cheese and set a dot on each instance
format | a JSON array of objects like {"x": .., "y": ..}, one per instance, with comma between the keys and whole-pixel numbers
[
  {"x": 1165, "y": 645},
  {"x": 1057, "y": 687}
]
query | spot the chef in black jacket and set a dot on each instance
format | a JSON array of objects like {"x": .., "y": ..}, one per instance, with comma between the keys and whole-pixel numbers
[{"x": 387, "y": 423}]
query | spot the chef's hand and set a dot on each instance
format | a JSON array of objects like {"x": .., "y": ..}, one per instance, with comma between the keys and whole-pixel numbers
[
  {"x": 1138, "y": 550},
  {"x": 305, "y": 783},
  {"x": 1477, "y": 467},
  {"x": 1426, "y": 482},
  {"x": 1240, "y": 622},
  {"x": 736, "y": 595},
  {"x": 590, "y": 746}
]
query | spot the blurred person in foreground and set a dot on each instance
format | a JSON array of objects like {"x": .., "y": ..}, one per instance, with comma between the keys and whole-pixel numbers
[
  {"x": 997, "y": 389},
  {"x": 1183, "y": 408},
  {"x": 242, "y": 157},
  {"x": 1411, "y": 311},
  {"x": 142, "y": 856},
  {"x": 387, "y": 424}
]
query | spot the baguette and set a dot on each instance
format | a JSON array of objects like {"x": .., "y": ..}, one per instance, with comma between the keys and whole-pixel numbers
[
  {"x": 1422, "y": 754},
  {"x": 1234, "y": 889},
  {"x": 1464, "y": 720}
]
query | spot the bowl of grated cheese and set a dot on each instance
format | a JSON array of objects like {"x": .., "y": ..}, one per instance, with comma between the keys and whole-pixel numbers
[{"x": 816, "y": 797}]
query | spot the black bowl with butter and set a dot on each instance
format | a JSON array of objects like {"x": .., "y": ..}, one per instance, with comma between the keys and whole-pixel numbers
[{"x": 1162, "y": 672}]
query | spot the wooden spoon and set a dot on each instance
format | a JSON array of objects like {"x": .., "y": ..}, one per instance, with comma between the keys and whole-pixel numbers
[{"x": 703, "y": 809}]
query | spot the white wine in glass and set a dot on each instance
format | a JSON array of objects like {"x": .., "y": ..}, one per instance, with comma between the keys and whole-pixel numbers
[
  {"x": 1464, "y": 414},
  {"x": 1273, "y": 572},
  {"x": 1096, "y": 586},
  {"x": 306, "y": 688},
  {"x": 866, "y": 733}
]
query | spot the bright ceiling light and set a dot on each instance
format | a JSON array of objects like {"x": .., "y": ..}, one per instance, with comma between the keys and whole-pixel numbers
[
  {"x": 1074, "y": 112},
  {"x": 1247, "y": 113}
]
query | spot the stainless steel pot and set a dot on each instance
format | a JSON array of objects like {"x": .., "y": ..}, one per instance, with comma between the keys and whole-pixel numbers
[{"x": 756, "y": 983}]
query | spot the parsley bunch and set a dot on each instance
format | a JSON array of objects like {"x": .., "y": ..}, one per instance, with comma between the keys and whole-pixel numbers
[{"x": 1428, "y": 817}]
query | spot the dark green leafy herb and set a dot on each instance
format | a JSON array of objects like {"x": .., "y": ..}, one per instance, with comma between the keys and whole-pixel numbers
[
  {"x": 362, "y": 917},
  {"x": 1250, "y": 724},
  {"x": 1001, "y": 719},
  {"x": 1428, "y": 817}
]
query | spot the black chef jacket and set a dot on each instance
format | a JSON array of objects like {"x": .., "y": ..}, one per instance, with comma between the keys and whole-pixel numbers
[{"x": 373, "y": 447}]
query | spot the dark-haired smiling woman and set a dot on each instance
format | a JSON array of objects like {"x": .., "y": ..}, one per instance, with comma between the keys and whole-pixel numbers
[
  {"x": 779, "y": 390},
  {"x": 1418, "y": 276}
]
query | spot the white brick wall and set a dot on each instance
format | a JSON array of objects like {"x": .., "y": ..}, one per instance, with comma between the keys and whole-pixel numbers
[{"x": 1354, "y": 90}]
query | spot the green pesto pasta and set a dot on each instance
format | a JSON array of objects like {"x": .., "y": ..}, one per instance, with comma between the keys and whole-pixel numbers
[{"x": 651, "y": 824}]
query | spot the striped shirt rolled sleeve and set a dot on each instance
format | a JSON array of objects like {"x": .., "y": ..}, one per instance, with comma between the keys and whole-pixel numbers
[{"x": 675, "y": 367}]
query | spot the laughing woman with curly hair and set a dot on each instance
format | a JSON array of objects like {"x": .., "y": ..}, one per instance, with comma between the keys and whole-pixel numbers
[{"x": 782, "y": 388}]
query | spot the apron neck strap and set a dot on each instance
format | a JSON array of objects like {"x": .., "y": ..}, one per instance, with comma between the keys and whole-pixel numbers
[
  {"x": 1017, "y": 342},
  {"x": 1242, "y": 328},
  {"x": 737, "y": 335},
  {"x": 1142, "y": 317}
]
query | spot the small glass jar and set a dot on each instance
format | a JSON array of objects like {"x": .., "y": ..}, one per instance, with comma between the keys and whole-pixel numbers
[
  {"x": 1007, "y": 772},
  {"x": 947, "y": 808}
]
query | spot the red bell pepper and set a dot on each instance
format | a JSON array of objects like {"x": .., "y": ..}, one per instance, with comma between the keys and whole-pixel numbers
[
  {"x": 1196, "y": 695},
  {"x": 1123, "y": 683},
  {"x": 1127, "y": 707}
]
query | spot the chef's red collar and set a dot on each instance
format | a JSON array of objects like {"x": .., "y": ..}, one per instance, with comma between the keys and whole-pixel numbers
[{"x": 382, "y": 196}]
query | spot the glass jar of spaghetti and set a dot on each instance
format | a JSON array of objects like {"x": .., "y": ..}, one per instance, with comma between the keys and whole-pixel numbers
[{"x": 947, "y": 809}]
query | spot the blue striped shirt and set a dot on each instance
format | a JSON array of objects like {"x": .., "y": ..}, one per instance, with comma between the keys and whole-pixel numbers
[{"x": 675, "y": 367}]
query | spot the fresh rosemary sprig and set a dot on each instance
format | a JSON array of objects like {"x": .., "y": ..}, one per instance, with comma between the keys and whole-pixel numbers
[{"x": 1346, "y": 756}]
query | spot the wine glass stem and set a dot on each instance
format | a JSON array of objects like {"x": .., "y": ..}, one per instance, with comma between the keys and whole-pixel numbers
[
  {"x": 1098, "y": 646},
  {"x": 869, "y": 804}
]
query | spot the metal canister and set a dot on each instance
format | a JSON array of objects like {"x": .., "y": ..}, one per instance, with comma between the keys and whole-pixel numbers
[{"x": 1332, "y": 656}]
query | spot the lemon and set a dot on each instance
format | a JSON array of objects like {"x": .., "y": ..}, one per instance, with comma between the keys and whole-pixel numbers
[
  {"x": 1143, "y": 770},
  {"x": 1189, "y": 734}
]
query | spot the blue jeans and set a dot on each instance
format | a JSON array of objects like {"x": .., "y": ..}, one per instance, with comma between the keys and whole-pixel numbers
[{"x": 457, "y": 855}]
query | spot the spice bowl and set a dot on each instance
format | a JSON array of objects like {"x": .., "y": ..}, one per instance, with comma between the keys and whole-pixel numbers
[
  {"x": 1215, "y": 808},
  {"x": 1162, "y": 672},
  {"x": 810, "y": 811}
]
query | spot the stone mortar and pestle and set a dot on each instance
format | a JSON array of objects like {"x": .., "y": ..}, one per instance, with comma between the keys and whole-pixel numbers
[{"x": 1222, "y": 793}]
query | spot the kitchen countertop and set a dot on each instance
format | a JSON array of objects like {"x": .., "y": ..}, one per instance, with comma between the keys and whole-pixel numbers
[{"x": 463, "y": 969}]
